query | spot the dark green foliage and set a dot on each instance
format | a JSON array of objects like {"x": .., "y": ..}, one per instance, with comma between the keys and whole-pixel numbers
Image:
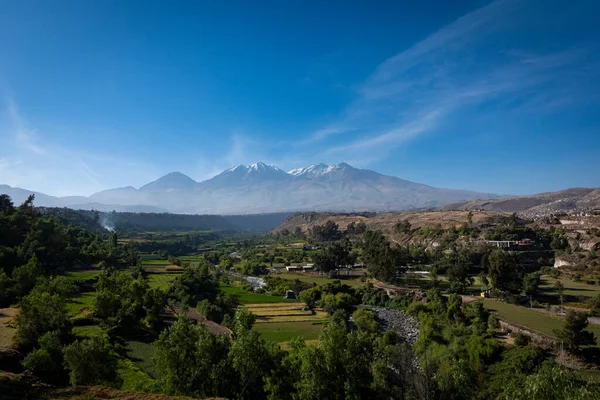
[
  {"x": 402, "y": 226},
  {"x": 331, "y": 296},
  {"x": 573, "y": 335},
  {"x": 329, "y": 232},
  {"x": 195, "y": 284},
  {"x": 531, "y": 283},
  {"x": 90, "y": 362},
  {"x": 365, "y": 321},
  {"x": 552, "y": 383},
  {"x": 196, "y": 362},
  {"x": 41, "y": 312},
  {"x": 521, "y": 340},
  {"x": 46, "y": 361},
  {"x": 503, "y": 271},
  {"x": 334, "y": 257},
  {"x": 379, "y": 257}
]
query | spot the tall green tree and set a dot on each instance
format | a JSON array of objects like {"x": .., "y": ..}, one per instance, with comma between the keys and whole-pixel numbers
[
  {"x": 573, "y": 334},
  {"x": 504, "y": 271}
]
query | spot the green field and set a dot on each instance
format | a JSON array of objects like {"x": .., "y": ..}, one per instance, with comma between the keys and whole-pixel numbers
[
  {"x": 87, "y": 331},
  {"x": 80, "y": 303},
  {"x": 286, "y": 331},
  {"x": 532, "y": 319},
  {"x": 571, "y": 288},
  {"x": 246, "y": 297},
  {"x": 156, "y": 262},
  {"x": 161, "y": 281},
  {"x": 319, "y": 280},
  {"x": 141, "y": 353}
]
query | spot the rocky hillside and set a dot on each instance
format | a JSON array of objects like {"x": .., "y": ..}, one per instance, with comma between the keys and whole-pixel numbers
[
  {"x": 386, "y": 221},
  {"x": 539, "y": 205}
]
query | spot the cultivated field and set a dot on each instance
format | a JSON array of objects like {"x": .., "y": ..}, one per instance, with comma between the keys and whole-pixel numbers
[
  {"x": 246, "y": 297},
  {"x": 81, "y": 302},
  {"x": 161, "y": 281},
  {"x": 282, "y": 322}
]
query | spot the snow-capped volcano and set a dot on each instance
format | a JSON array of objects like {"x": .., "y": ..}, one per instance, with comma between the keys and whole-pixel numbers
[{"x": 263, "y": 188}]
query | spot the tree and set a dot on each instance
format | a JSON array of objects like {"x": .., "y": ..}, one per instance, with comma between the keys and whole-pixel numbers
[
  {"x": 337, "y": 367},
  {"x": 595, "y": 308},
  {"x": 531, "y": 283},
  {"x": 503, "y": 271},
  {"x": 26, "y": 275},
  {"x": 573, "y": 334},
  {"x": 402, "y": 226},
  {"x": 552, "y": 383},
  {"x": 560, "y": 288},
  {"x": 41, "y": 312},
  {"x": 334, "y": 257},
  {"x": 90, "y": 362},
  {"x": 46, "y": 362},
  {"x": 379, "y": 257},
  {"x": 365, "y": 321},
  {"x": 329, "y": 232},
  {"x": 333, "y": 302},
  {"x": 193, "y": 361}
]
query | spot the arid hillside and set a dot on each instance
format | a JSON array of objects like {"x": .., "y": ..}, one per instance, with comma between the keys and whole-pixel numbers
[
  {"x": 539, "y": 205},
  {"x": 386, "y": 221}
]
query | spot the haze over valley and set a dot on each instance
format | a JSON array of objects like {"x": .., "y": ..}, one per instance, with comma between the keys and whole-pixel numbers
[{"x": 262, "y": 188}]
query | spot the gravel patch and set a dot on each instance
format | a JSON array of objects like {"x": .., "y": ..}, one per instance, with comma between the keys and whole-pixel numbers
[{"x": 399, "y": 322}]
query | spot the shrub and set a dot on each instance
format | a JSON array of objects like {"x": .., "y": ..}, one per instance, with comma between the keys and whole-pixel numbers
[
  {"x": 90, "y": 362},
  {"x": 365, "y": 320},
  {"x": 521, "y": 340},
  {"x": 415, "y": 308}
]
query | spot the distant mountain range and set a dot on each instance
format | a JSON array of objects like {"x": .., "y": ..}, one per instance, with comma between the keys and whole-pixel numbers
[{"x": 262, "y": 188}]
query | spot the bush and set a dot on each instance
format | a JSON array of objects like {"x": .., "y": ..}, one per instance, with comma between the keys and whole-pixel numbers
[
  {"x": 46, "y": 362},
  {"x": 521, "y": 340},
  {"x": 334, "y": 302},
  {"x": 415, "y": 308},
  {"x": 90, "y": 362},
  {"x": 365, "y": 321}
]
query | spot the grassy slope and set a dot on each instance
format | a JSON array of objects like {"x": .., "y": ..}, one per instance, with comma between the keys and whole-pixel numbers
[
  {"x": 571, "y": 288},
  {"x": 529, "y": 318}
]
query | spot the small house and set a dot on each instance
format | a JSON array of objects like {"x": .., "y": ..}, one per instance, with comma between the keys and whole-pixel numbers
[
  {"x": 291, "y": 268},
  {"x": 290, "y": 294}
]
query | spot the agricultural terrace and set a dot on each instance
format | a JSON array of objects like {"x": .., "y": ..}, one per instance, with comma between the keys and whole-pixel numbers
[{"x": 280, "y": 322}]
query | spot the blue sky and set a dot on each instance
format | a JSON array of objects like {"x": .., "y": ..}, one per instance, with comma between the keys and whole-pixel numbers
[{"x": 498, "y": 96}]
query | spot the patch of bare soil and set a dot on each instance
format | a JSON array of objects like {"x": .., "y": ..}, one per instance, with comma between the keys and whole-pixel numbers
[{"x": 7, "y": 326}]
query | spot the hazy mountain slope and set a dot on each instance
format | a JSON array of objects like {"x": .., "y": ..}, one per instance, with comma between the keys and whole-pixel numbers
[
  {"x": 543, "y": 204},
  {"x": 262, "y": 188}
]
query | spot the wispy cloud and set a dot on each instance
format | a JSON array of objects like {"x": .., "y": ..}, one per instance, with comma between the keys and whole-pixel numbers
[
  {"x": 32, "y": 160},
  {"x": 472, "y": 61}
]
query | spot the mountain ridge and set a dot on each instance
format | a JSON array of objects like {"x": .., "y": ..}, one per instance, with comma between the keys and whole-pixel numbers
[{"x": 264, "y": 188}]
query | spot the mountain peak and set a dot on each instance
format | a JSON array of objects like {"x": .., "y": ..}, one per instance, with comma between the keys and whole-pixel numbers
[{"x": 172, "y": 180}]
